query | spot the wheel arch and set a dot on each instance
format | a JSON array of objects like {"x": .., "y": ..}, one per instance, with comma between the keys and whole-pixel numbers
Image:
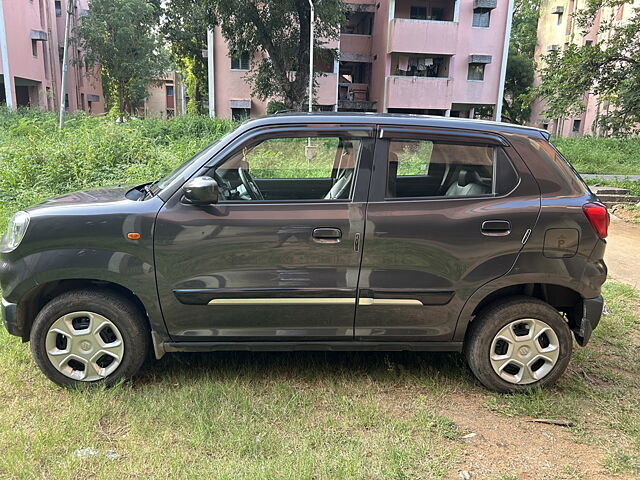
[
  {"x": 565, "y": 299},
  {"x": 37, "y": 297}
]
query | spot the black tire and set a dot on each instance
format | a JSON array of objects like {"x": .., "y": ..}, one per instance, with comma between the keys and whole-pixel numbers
[
  {"x": 119, "y": 310},
  {"x": 496, "y": 316}
]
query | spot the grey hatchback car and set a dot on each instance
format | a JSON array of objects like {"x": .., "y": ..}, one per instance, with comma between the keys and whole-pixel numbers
[{"x": 320, "y": 232}]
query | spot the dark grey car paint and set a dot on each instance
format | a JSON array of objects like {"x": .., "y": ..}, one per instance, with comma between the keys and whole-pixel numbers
[{"x": 83, "y": 237}]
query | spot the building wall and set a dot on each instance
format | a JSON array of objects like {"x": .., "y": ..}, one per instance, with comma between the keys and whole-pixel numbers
[
  {"x": 559, "y": 33},
  {"x": 40, "y": 75},
  {"x": 394, "y": 33},
  {"x": 159, "y": 104}
]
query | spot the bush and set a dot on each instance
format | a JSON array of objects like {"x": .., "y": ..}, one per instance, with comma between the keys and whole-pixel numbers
[
  {"x": 602, "y": 155},
  {"x": 37, "y": 161}
]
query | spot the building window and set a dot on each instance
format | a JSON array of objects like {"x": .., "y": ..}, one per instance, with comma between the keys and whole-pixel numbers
[
  {"x": 545, "y": 126},
  {"x": 476, "y": 71},
  {"x": 240, "y": 62},
  {"x": 418, "y": 13},
  {"x": 576, "y": 126},
  {"x": 66, "y": 101},
  {"x": 34, "y": 48},
  {"x": 82, "y": 100},
  {"x": 559, "y": 19},
  {"x": 58, "y": 5},
  {"x": 481, "y": 17},
  {"x": 420, "y": 66},
  {"x": 169, "y": 90},
  {"x": 239, "y": 114},
  {"x": 588, "y": 43}
]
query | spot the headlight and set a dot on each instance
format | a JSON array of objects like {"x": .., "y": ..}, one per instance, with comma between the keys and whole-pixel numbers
[{"x": 15, "y": 233}]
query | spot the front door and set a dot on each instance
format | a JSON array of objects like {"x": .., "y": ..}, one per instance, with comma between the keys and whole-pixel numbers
[
  {"x": 448, "y": 212},
  {"x": 278, "y": 257}
]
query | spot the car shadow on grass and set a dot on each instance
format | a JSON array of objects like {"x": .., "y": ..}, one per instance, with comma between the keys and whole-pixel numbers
[{"x": 391, "y": 368}]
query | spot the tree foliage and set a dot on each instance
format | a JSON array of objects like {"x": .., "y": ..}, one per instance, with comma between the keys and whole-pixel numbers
[
  {"x": 609, "y": 69},
  {"x": 120, "y": 37},
  {"x": 184, "y": 27},
  {"x": 276, "y": 34},
  {"x": 520, "y": 64}
]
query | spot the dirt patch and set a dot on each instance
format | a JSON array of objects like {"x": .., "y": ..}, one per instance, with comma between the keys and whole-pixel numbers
[
  {"x": 498, "y": 445},
  {"x": 628, "y": 213},
  {"x": 623, "y": 251}
]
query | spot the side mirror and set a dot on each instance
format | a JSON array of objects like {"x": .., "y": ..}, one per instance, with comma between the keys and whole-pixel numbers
[{"x": 201, "y": 191}]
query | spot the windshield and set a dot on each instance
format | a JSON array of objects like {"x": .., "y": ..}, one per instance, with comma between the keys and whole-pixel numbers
[{"x": 180, "y": 172}]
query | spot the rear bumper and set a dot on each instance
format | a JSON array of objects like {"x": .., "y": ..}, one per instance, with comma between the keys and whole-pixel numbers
[
  {"x": 8, "y": 312},
  {"x": 591, "y": 313}
]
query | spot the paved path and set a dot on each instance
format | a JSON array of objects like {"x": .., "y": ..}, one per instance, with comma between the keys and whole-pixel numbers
[
  {"x": 634, "y": 178},
  {"x": 622, "y": 255}
]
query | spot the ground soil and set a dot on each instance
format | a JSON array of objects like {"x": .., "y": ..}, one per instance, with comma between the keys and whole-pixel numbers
[
  {"x": 536, "y": 451},
  {"x": 622, "y": 255},
  {"x": 519, "y": 447}
]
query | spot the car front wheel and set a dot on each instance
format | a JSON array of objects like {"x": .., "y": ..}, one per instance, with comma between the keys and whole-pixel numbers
[
  {"x": 89, "y": 336},
  {"x": 517, "y": 344}
]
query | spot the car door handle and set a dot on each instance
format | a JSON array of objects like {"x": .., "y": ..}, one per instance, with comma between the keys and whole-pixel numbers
[
  {"x": 327, "y": 235},
  {"x": 496, "y": 228}
]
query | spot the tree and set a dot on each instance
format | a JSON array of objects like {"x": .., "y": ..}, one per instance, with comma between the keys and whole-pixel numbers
[
  {"x": 520, "y": 64},
  {"x": 609, "y": 69},
  {"x": 185, "y": 29},
  {"x": 119, "y": 36},
  {"x": 276, "y": 33}
]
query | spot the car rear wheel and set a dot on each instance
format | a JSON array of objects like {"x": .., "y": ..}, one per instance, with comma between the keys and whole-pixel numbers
[
  {"x": 89, "y": 336},
  {"x": 517, "y": 344}
]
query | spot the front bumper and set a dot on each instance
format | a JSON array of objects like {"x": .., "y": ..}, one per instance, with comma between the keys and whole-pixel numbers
[
  {"x": 8, "y": 312},
  {"x": 591, "y": 313}
]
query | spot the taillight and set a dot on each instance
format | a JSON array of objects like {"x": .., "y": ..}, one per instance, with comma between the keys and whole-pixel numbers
[{"x": 598, "y": 217}]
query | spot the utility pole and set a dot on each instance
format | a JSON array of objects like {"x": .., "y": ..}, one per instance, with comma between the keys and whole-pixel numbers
[
  {"x": 311, "y": 32},
  {"x": 211, "y": 73},
  {"x": 65, "y": 56},
  {"x": 4, "y": 53}
]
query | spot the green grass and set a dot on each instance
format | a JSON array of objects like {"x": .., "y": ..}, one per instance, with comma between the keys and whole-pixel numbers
[
  {"x": 307, "y": 415},
  {"x": 270, "y": 415},
  {"x": 602, "y": 155}
]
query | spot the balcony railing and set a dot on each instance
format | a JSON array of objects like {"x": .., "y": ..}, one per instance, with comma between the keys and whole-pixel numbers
[
  {"x": 419, "y": 92},
  {"x": 423, "y": 36}
]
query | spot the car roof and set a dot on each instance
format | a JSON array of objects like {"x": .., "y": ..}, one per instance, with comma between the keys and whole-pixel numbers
[{"x": 396, "y": 119}]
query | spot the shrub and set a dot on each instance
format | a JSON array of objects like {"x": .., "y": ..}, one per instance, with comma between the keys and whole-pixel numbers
[{"x": 37, "y": 161}]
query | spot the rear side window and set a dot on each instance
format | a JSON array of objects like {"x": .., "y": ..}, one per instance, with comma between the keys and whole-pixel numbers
[{"x": 425, "y": 168}]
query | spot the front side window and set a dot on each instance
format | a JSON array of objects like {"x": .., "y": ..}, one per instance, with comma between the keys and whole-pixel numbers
[
  {"x": 320, "y": 168},
  {"x": 424, "y": 168},
  {"x": 481, "y": 17}
]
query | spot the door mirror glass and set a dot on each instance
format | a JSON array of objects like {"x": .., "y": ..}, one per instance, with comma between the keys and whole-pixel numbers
[{"x": 201, "y": 191}]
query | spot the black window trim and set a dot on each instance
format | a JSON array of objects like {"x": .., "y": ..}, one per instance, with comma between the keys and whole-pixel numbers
[
  {"x": 360, "y": 131},
  {"x": 461, "y": 137}
]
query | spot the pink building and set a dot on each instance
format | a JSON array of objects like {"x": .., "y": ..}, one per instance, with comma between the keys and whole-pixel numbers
[
  {"x": 440, "y": 57},
  {"x": 556, "y": 30},
  {"x": 34, "y": 36}
]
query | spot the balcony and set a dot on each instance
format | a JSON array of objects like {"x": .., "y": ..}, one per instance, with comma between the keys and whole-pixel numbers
[
  {"x": 422, "y": 36},
  {"x": 353, "y": 45},
  {"x": 419, "y": 92}
]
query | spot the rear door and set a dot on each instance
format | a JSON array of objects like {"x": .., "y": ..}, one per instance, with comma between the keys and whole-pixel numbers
[
  {"x": 283, "y": 267},
  {"x": 448, "y": 211}
]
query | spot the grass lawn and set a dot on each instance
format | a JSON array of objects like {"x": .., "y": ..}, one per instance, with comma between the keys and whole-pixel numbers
[
  {"x": 297, "y": 415},
  {"x": 313, "y": 415}
]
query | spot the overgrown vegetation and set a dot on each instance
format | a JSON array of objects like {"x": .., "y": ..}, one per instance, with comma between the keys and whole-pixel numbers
[
  {"x": 37, "y": 161},
  {"x": 610, "y": 156}
]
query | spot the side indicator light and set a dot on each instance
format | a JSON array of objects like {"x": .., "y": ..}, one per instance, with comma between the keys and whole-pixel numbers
[{"x": 133, "y": 236}]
